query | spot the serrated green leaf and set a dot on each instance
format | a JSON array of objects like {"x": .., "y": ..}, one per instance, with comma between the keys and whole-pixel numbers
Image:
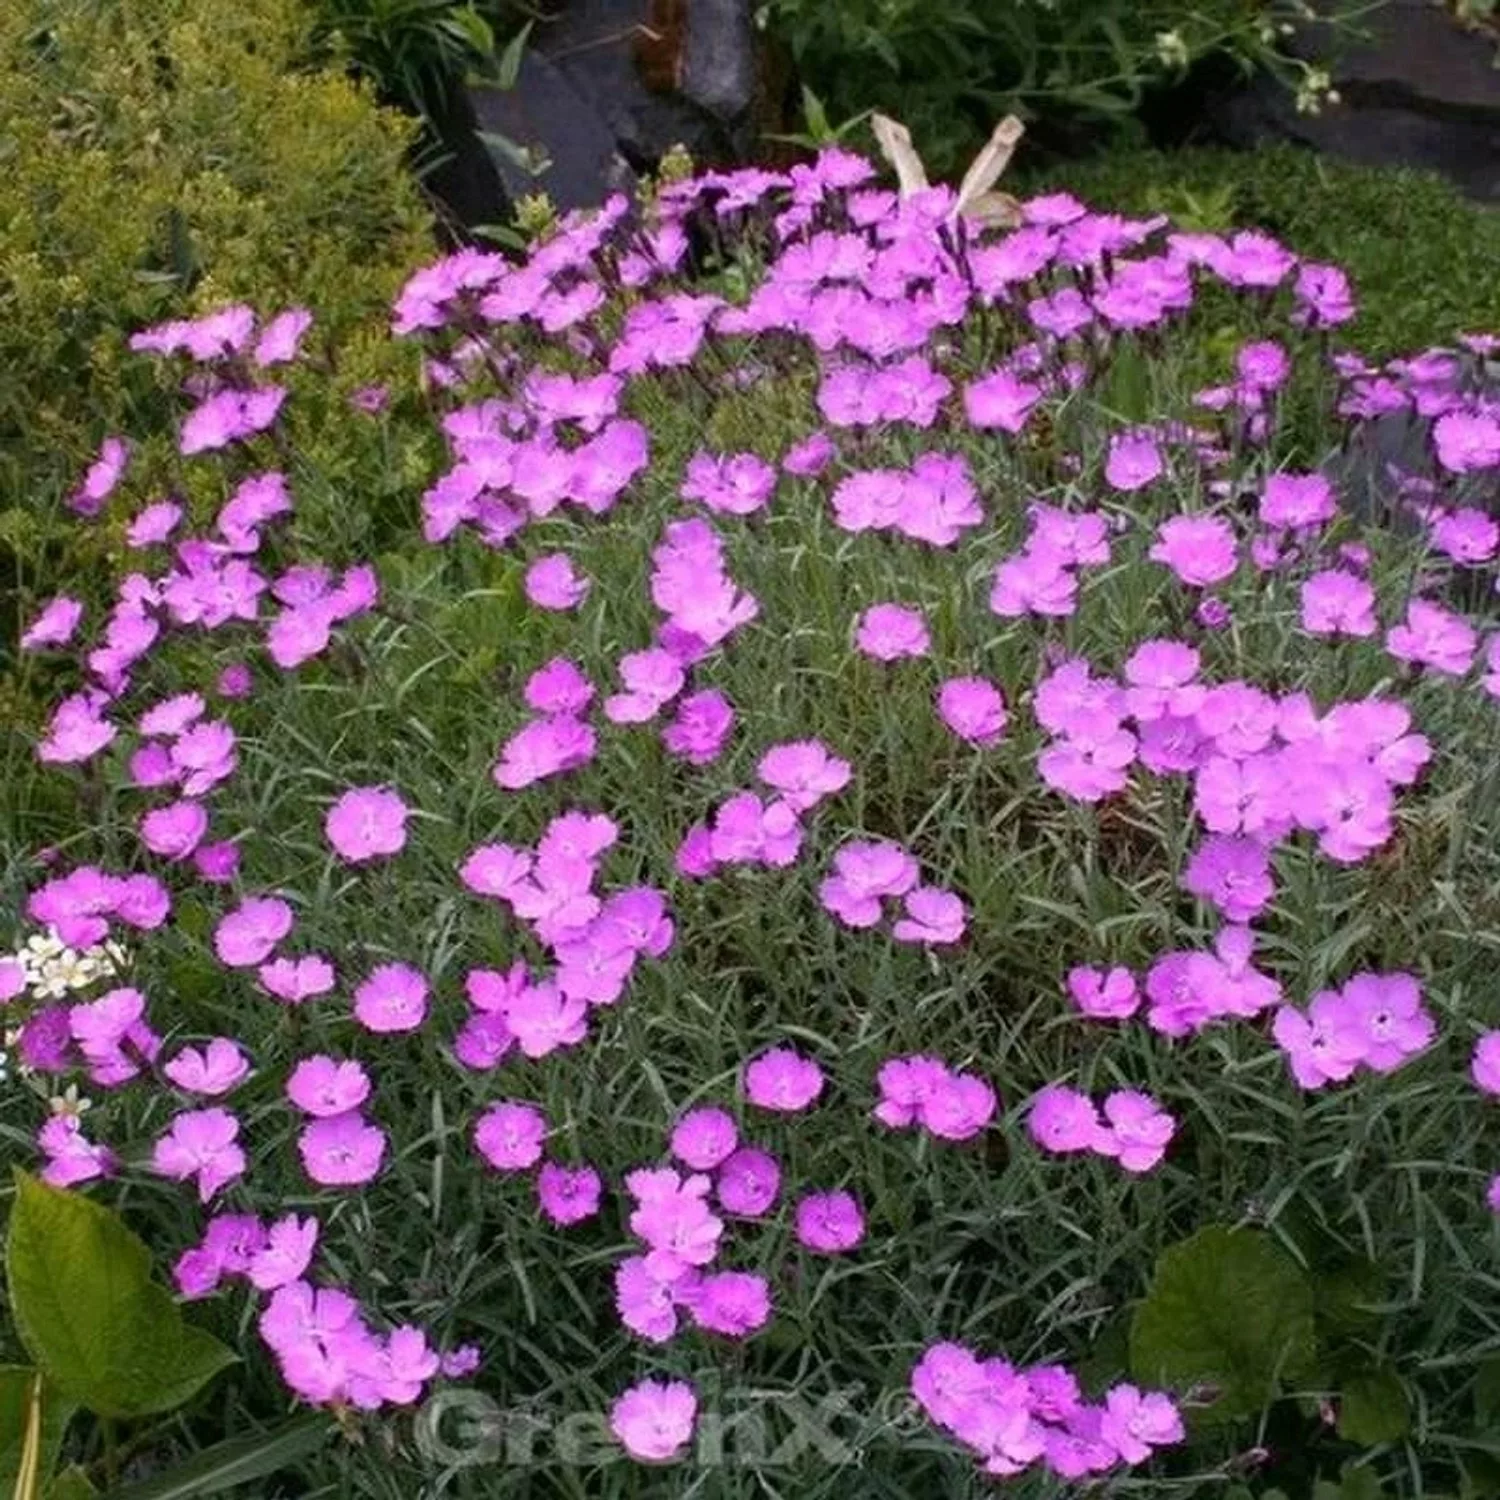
[
  {"x": 1228, "y": 1309},
  {"x": 16, "y": 1386},
  {"x": 1373, "y": 1408},
  {"x": 89, "y": 1314},
  {"x": 237, "y": 1462}
]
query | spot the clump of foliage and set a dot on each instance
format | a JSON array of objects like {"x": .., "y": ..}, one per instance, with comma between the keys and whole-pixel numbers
[
  {"x": 417, "y": 53},
  {"x": 949, "y": 70},
  {"x": 875, "y": 872}
]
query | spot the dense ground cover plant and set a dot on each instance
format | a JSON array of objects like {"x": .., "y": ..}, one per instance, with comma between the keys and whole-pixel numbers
[
  {"x": 874, "y": 842},
  {"x": 158, "y": 160}
]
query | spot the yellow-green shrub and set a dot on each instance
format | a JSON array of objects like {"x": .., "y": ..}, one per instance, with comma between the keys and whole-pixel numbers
[{"x": 157, "y": 158}]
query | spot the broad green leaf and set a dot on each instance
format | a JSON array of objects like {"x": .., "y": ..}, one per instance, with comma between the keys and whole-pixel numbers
[
  {"x": 16, "y": 1386},
  {"x": 71, "y": 1484},
  {"x": 1348, "y": 1294},
  {"x": 88, "y": 1312},
  {"x": 1487, "y": 1393},
  {"x": 1227, "y": 1309},
  {"x": 1108, "y": 1359},
  {"x": 1373, "y": 1408},
  {"x": 1362, "y": 1483},
  {"x": 1481, "y": 1476},
  {"x": 236, "y": 1462}
]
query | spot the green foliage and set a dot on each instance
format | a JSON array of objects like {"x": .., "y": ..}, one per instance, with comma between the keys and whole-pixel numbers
[
  {"x": 1411, "y": 244},
  {"x": 156, "y": 160},
  {"x": 237, "y": 1462},
  {"x": 1487, "y": 1393},
  {"x": 994, "y": 1244},
  {"x": 949, "y": 70},
  {"x": 414, "y": 52},
  {"x": 114, "y": 1343},
  {"x": 1227, "y": 1309},
  {"x": 1373, "y": 1407},
  {"x": 1231, "y": 1312},
  {"x": 85, "y": 1306},
  {"x": 1357, "y": 1483},
  {"x": 72, "y": 1484}
]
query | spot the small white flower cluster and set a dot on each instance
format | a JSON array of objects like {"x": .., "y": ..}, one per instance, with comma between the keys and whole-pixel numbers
[
  {"x": 53, "y": 969},
  {"x": 1172, "y": 50},
  {"x": 1314, "y": 91},
  {"x": 70, "y": 1103},
  {"x": 50, "y": 970}
]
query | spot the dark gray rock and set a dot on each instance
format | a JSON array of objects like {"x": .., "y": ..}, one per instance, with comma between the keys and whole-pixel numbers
[
  {"x": 1465, "y": 151},
  {"x": 1378, "y": 454},
  {"x": 595, "y": 44},
  {"x": 1381, "y": 457},
  {"x": 461, "y": 179},
  {"x": 1415, "y": 49},
  {"x": 1418, "y": 91},
  {"x": 718, "y": 58},
  {"x": 605, "y": 89},
  {"x": 544, "y": 136}
]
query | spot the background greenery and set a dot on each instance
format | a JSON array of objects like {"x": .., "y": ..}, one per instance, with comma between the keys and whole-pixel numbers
[
  {"x": 1081, "y": 68},
  {"x": 416, "y": 53}
]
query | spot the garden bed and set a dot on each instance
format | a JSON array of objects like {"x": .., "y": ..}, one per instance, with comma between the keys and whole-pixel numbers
[{"x": 850, "y": 845}]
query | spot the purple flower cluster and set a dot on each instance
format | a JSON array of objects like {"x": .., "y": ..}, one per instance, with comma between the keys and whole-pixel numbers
[
  {"x": 935, "y": 501},
  {"x": 747, "y": 828},
  {"x": 225, "y": 348},
  {"x": 680, "y": 1217},
  {"x": 594, "y": 941},
  {"x": 1375, "y": 1021},
  {"x": 1042, "y": 579},
  {"x": 1131, "y": 1127},
  {"x": 513, "y": 462},
  {"x": 924, "y": 1091},
  {"x": 328, "y": 1354},
  {"x": 1014, "y": 1419},
  {"x": 867, "y": 874}
]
